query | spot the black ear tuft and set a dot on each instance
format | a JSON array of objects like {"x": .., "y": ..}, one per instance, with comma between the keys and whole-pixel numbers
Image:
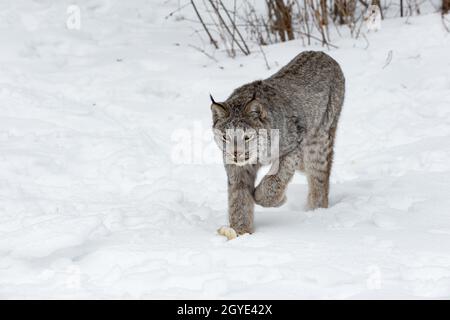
[
  {"x": 218, "y": 109},
  {"x": 212, "y": 99}
]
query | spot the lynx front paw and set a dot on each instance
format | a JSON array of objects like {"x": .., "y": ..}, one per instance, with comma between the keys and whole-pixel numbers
[
  {"x": 270, "y": 193},
  {"x": 227, "y": 232}
]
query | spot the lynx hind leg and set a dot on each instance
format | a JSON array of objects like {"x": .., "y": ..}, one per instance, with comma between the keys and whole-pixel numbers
[{"x": 318, "y": 158}]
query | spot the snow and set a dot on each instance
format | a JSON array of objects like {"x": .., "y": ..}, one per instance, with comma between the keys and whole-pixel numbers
[{"x": 96, "y": 200}]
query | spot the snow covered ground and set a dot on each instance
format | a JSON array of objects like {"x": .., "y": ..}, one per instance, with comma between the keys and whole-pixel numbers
[{"x": 96, "y": 201}]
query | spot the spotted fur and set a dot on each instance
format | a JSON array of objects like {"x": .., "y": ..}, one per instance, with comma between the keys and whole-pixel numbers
[{"x": 303, "y": 101}]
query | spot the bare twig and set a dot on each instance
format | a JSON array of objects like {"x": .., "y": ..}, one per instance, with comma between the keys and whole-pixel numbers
[
  {"x": 367, "y": 41},
  {"x": 266, "y": 27},
  {"x": 234, "y": 21},
  {"x": 233, "y": 24},
  {"x": 365, "y": 4},
  {"x": 360, "y": 26},
  {"x": 308, "y": 32},
  {"x": 222, "y": 21},
  {"x": 321, "y": 40},
  {"x": 203, "y": 51},
  {"x": 264, "y": 56},
  {"x": 214, "y": 42},
  {"x": 175, "y": 11},
  {"x": 388, "y": 59},
  {"x": 444, "y": 20}
]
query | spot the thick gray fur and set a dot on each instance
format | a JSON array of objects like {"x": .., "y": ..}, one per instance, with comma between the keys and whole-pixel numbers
[{"x": 303, "y": 101}]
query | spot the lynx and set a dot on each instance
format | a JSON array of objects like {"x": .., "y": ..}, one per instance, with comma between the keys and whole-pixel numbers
[{"x": 302, "y": 101}]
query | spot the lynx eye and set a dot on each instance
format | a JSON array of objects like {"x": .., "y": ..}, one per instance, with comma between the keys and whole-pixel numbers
[
  {"x": 249, "y": 137},
  {"x": 225, "y": 138}
]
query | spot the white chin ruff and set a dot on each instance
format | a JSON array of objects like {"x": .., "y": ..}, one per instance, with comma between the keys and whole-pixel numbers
[{"x": 244, "y": 163}]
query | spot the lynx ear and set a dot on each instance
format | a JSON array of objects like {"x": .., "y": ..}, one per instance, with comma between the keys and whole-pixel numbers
[
  {"x": 218, "y": 110},
  {"x": 255, "y": 109}
]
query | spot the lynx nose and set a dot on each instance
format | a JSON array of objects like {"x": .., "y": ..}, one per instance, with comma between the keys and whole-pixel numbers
[{"x": 240, "y": 156}]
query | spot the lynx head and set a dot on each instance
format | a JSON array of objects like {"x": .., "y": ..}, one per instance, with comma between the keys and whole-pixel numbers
[{"x": 237, "y": 126}]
